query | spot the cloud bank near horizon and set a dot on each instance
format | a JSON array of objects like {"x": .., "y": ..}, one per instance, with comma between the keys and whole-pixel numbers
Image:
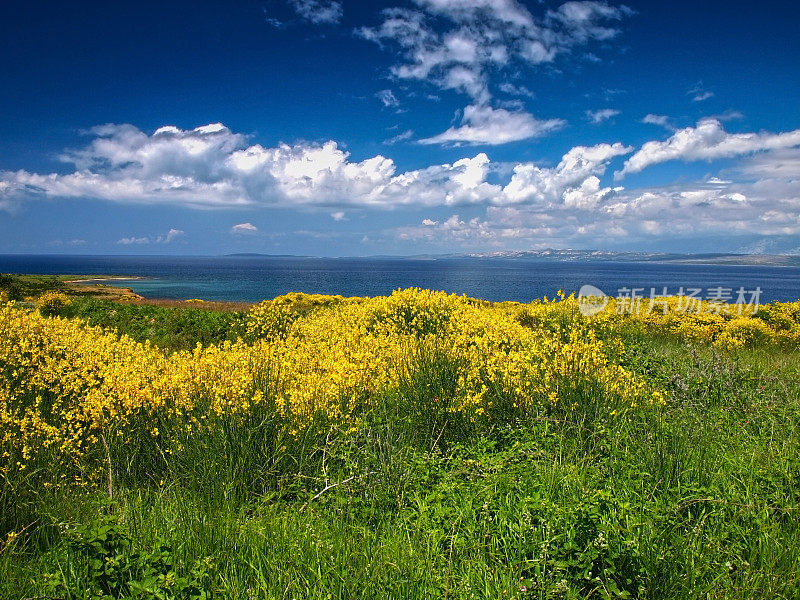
[{"x": 212, "y": 167}]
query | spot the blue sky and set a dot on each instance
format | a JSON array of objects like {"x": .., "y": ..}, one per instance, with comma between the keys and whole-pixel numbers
[{"x": 422, "y": 126}]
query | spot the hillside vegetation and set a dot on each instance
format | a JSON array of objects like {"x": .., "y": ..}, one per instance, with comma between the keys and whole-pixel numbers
[{"x": 420, "y": 445}]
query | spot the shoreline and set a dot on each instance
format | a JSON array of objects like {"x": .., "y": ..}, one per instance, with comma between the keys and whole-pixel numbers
[
  {"x": 127, "y": 294},
  {"x": 109, "y": 278}
]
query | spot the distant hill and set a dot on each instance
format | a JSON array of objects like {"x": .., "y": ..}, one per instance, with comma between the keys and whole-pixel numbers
[
  {"x": 785, "y": 260},
  {"x": 259, "y": 255},
  {"x": 569, "y": 255}
]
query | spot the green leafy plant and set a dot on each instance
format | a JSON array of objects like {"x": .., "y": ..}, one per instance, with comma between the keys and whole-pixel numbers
[{"x": 114, "y": 567}]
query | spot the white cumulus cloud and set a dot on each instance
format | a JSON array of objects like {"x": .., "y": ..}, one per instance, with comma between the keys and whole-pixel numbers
[
  {"x": 212, "y": 167},
  {"x": 525, "y": 203},
  {"x": 601, "y": 115},
  {"x": 166, "y": 238},
  {"x": 170, "y": 236},
  {"x": 126, "y": 241},
  {"x": 531, "y": 183},
  {"x": 452, "y": 230},
  {"x": 244, "y": 228},
  {"x": 660, "y": 120},
  {"x": 707, "y": 141},
  {"x": 494, "y": 126}
]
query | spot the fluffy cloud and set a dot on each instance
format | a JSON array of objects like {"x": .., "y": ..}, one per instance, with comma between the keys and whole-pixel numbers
[
  {"x": 244, "y": 228},
  {"x": 171, "y": 235},
  {"x": 318, "y": 11},
  {"x": 603, "y": 114},
  {"x": 567, "y": 205},
  {"x": 493, "y": 126},
  {"x": 592, "y": 216},
  {"x": 588, "y": 195},
  {"x": 212, "y": 167},
  {"x": 778, "y": 164},
  {"x": 660, "y": 120},
  {"x": 456, "y": 45},
  {"x": 452, "y": 230},
  {"x": 729, "y": 115},
  {"x": 707, "y": 141},
  {"x": 400, "y": 137},
  {"x": 526, "y": 204},
  {"x": 583, "y": 20},
  {"x": 515, "y": 90},
  {"x": 168, "y": 237},
  {"x": 388, "y": 99},
  {"x": 126, "y": 241},
  {"x": 533, "y": 184},
  {"x": 696, "y": 210},
  {"x": 699, "y": 93},
  {"x": 10, "y": 191},
  {"x": 699, "y": 97},
  {"x": 122, "y": 163},
  {"x": 539, "y": 206}
]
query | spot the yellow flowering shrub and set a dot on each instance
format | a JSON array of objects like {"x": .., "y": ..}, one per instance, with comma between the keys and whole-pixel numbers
[
  {"x": 539, "y": 364},
  {"x": 415, "y": 312},
  {"x": 743, "y": 331},
  {"x": 72, "y": 394},
  {"x": 270, "y": 320},
  {"x": 726, "y": 326},
  {"x": 52, "y": 303}
]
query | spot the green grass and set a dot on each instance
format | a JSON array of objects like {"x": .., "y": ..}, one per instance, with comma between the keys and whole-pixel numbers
[
  {"x": 695, "y": 499},
  {"x": 167, "y": 328},
  {"x": 19, "y": 287}
]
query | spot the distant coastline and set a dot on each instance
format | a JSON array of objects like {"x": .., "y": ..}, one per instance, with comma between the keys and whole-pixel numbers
[
  {"x": 546, "y": 255},
  {"x": 104, "y": 278},
  {"x": 773, "y": 260},
  {"x": 568, "y": 255}
]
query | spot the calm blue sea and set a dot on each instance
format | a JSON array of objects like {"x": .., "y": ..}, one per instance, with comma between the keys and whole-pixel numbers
[{"x": 257, "y": 278}]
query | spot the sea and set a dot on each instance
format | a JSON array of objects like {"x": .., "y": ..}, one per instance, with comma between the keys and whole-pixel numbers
[{"x": 255, "y": 278}]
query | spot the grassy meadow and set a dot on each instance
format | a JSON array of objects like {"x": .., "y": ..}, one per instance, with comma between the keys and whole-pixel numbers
[{"x": 420, "y": 445}]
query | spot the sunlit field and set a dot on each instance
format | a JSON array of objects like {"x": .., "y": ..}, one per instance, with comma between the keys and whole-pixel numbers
[{"x": 420, "y": 445}]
